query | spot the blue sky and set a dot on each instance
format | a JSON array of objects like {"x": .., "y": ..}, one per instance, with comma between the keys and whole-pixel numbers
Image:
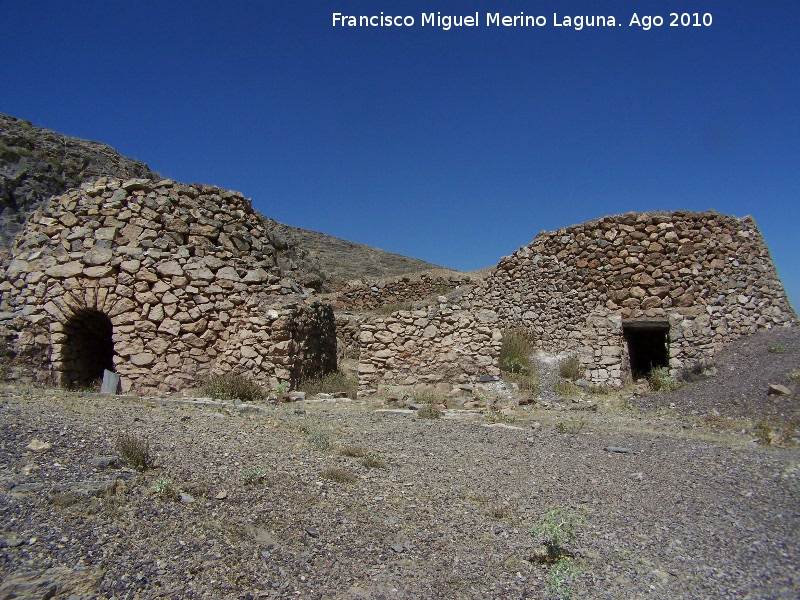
[{"x": 457, "y": 146}]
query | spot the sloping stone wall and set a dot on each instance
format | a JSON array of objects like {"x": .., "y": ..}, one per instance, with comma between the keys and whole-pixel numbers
[
  {"x": 441, "y": 343},
  {"x": 709, "y": 277},
  {"x": 173, "y": 268}
]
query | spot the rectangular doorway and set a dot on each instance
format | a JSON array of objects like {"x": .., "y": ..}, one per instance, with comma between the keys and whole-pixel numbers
[{"x": 648, "y": 345}]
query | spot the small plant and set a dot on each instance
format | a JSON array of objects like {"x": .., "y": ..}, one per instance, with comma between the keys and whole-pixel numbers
[
  {"x": 515, "y": 351},
  {"x": 661, "y": 380},
  {"x": 766, "y": 433},
  {"x": 570, "y": 368},
  {"x": 528, "y": 382},
  {"x": 496, "y": 416},
  {"x": 429, "y": 411},
  {"x": 373, "y": 461},
  {"x": 793, "y": 375},
  {"x": 566, "y": 389},
  {"x": 253, "y": 475},
  {"x": 282, "y": 388},
  {"x": 330, "y": 383},
  {"x": 788, "y": 434},
  {"x": 560, "y": 578},
  {"x": 135, "y": 451},
  {"x": 339, "y": 475},
  {"x": 777, "y": 349},
  {"x": 164, "y": 489},
  {"x": 317, "y": 438},
  {"x": 232, "y": 386},
  {"x": 572, "y": 427},
  {"x": 393, "y": 307},
  {"x": 557, "y": 527},
  {"x": 353, "y": 451}
]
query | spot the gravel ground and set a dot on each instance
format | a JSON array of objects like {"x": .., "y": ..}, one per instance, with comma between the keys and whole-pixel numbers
[{"x": 694, "y": 509}]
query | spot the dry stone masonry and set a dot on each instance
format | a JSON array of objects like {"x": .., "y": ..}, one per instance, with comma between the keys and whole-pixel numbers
[
  {"x": 441, "y": 343},
  {"x": 163, "y": 283},
  {"x": 625, "y": 293}
]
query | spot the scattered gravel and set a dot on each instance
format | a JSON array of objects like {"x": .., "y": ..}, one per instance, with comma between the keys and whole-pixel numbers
[{"x": 689, "y": 511}]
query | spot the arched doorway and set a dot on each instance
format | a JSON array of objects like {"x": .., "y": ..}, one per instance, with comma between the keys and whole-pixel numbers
[{"x": 88, "y": 348}]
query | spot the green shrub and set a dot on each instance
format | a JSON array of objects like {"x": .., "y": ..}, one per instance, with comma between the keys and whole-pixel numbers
[
  {"x": 515, "y": 351},
  {"x": 560, "y": 578},
  {"x": 777, "y": 349},
  {"x": 330, "y": 383},
  {"x": 566, "y": 389},
  {"x": 661, "y": 380},
  {"x": 557, "y": 527},
  {"x": 164, "y": 489},
  {"x": 570, "y": 368},
  {"x": 232, "y": 386},
  {"x": 135, "y": 451},
  {"x": 317, "y": 438},
  {"x": 253, "y": 475}
]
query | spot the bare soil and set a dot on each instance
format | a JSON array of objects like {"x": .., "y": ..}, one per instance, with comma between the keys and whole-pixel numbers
[{"x": 694, "y": 509}]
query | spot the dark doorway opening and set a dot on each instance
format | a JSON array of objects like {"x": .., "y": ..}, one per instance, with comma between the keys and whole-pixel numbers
[
  {"x": 88, "y": 349},
  {"x": 648, "y": 346}
]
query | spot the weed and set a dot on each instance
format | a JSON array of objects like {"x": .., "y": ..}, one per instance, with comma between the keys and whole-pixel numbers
[
  {"x": 570, "y": 368},
  {"x": 566, "y": 389},
  {"x": 373, "y": 461},
  {"x": 777, "y": 349},
  {"x": 353, "y": 451},
  {"x": 339, "y": 475},
  {"x": 515, "y": 351},
  {"x": 393, "y": 307},
  {"x": 560, "y": 578},
  {"x": 317, "y": 438},
  {"x": 330, "y": 383},
  {"x": 135, "y": 451},
  {"x": 163, "y": 488},
  {"x": 496, "y": 416},
  {"x": 793, "y": 375},
  {"x": 282, "y": 388},
  {"x": 253, "y": 475},
  {"x": 661, "y": 380},
  {"x": 573, "y": 427},
  {"x": 766, "y": 433},
  {"x": 232, "y": 386},
  {"x": 557, "y": 527},
  {"x": 528, "y": 382},
  {"x": 429, "y": 411}
]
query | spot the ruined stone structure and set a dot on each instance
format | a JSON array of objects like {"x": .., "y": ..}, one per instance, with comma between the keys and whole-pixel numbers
[
  {"x": 629, "y": 292},
  {"x": 162, "y": 283}
]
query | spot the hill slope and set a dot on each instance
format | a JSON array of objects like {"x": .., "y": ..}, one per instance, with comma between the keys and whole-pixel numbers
[{"x": 341, "y": 259}]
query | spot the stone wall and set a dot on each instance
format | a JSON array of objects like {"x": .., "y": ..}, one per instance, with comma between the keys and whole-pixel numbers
[
  {"x": 371, "y": 294},
  {"x": 441, "y": 343},
  {"x": 150, "y": 279},
  {"x": 705, "y": 278}
]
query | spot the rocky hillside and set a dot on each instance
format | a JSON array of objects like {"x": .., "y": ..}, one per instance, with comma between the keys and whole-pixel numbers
[
  {"x": 37, "y": 163},
  {"x": 345, "y": 260}
]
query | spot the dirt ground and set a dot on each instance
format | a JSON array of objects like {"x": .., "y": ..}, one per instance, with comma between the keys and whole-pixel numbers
[{"x": 274, "y": 505}]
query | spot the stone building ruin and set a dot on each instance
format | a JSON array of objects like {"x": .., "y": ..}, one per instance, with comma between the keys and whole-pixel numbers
[
  {"x": 163, "y": 283},
  {"x": 166, "y": 283},
  {"x": 626, "y": 293}
]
